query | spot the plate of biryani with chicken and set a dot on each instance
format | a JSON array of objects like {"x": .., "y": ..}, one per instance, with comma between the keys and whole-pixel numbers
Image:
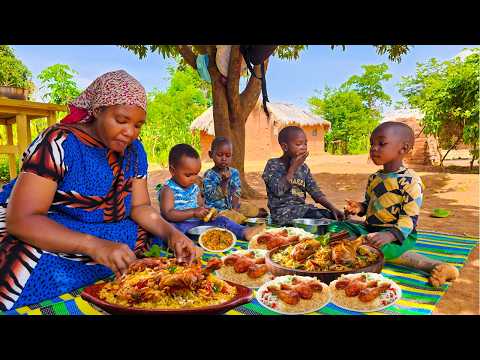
[
  {"x": 163, "y": 286},
  {"x": 275, "y": 237},
  {"x": 326, "y": 257},
  {"x": 293, "y": 295},
  {"x": 364, "y": 292},
  {"x": 245, "y": 267}
]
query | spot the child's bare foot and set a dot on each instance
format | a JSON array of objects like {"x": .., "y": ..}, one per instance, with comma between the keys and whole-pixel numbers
[
  {"x": 441, "y": 273},
  {"x": 250, "y": 232}
]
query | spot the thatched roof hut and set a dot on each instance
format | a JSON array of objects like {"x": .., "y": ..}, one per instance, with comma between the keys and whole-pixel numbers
[{"x": 261, "y": 132}]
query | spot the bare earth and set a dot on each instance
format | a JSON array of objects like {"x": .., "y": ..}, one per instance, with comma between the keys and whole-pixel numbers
[{"x": 345, "y": 177}]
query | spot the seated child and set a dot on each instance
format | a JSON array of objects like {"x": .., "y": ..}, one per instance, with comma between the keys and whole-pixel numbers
[
  {"x": 221, "y": 184},
  {"x": 392, "y": 204},
  {"x": 288, "y": 179},
  {"x": 181, "y": 202}
]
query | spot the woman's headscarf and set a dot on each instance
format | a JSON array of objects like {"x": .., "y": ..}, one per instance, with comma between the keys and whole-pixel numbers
[{"x": 112, "y": 88}]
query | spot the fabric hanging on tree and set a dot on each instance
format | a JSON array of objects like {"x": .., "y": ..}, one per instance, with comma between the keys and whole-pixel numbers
[
  {"x": 222, "y": 59},
  {"x": 256, "y": 55},
  {"x": 202, "y": 67}
]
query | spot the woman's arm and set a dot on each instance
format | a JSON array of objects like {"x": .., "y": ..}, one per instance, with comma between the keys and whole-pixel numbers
[
  {"x": 27, "y": 220},
  {"x": 148, "y": 218},
  {"x": 170, "y": 213}
]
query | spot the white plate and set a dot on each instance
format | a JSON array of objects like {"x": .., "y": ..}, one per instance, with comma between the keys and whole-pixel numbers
[
  {"x": 200, "y": 240},
  {"x": 276, "y": 281},
  {"x": 381, "y": 278},
  {"x": 260, "y": 252}
]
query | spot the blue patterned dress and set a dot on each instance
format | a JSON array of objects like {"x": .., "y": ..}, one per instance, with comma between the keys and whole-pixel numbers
[{"x": 93, "y": 196}]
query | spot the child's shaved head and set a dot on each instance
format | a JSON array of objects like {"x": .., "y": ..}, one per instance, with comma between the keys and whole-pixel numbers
[
  {"x": 286, "y": 134},
  {"x": 401, "y": 131}
]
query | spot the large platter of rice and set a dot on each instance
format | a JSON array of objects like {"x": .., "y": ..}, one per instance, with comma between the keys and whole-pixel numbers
[
  {"x": 292, "y": 231},
  {"x": 273, "y": 303},
  {"x": 228, "y": 273},
  {"x": 387, "y": 298}
]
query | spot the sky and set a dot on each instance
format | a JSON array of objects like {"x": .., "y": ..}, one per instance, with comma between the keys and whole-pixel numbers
[{"x": 291, "y": 81}]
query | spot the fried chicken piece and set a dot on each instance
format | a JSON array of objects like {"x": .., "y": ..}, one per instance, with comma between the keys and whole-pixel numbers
[
  {"x": 257, "y": 271},
  {"x": 345, "y": 251},
  {"x": 370, "y": 294},
  {"x": 260, "y": 261},
  {"x": 264, "y": 238},
  {"x": 304, "y": 249},
  {"x": 243, "y": 264},
  {"x": 231, "y": 259},
  {"x": 290, "y": 297},
  {"x": 186, "y": 279},
  {"x": 354, "y": 288},
  {"x": 342, "y": 284},
  {"x": 314, "y": 284},
  {"x": 212, "y": 265},
  {"x": 280, "y": 241},
  {"x": 151, "y": 263}
]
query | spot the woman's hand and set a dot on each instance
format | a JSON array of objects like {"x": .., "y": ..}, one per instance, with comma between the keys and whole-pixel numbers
[
  {"x": 378, "y": 239},
  {"x": 200, "y": 212},
  {"x": 113, "y": 255},
  {"x": 184, "y": 249}
]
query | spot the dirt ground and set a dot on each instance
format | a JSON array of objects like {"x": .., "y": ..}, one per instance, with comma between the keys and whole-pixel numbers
[{"x": 344, "y": 177}]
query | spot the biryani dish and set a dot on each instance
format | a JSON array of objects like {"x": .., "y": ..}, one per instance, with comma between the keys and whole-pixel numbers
[
  {"x": 338, "y": 255},
  {"x": 245, "y": 267},
  {"x": 364, "y": 292},
  {"x": 272, "y": 238},
  {"x": 217, "y": 239},
  {"x": 292, "y": 294},
  {"x": 161, "y": 283}
]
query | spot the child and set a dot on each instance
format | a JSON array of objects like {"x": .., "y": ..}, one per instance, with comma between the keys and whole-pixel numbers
[
  {"x": 288, "y": 179},
  {"x": 221, "y": 184},
  {"x": 392, "y": 204},
  {"x": 181, "y": 202}
]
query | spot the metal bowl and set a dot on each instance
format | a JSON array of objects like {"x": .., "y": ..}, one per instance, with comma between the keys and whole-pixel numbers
[
  {"x": 255, "y": 221},
  {"x": 195, "y": 232},
  {"x": 314, "y": 226}
]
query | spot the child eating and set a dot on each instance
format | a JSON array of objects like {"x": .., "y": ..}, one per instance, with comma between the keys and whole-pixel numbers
[
  {"x": 288, "y": 179},
  {"x": 181, "y": 202},
  {"x": 221, "y": 184},
  {"x": 392, "y": 204}
]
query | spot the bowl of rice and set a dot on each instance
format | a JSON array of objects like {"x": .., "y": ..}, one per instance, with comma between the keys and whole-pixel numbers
[
  {"x": 387, "y": 297},
  {"x": 217, "y": 240},
  {"x": 228, "y": 273},
  {"x": 272, "y": 302}
]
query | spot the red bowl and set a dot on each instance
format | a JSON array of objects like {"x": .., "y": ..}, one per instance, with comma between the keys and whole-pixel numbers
[
  {"x": 323, "y": 276},
  {"x": 91, "y": 294}
]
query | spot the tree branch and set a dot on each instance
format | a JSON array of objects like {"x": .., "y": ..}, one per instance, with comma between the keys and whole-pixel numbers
[
  {"x": 233, "y": 82},
  {"x": 212, "y": 65},
  {"x": 188, "y": 55}
]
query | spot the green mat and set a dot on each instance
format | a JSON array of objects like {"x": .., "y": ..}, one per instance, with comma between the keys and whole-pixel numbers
[{"x": 418, "y": 296}]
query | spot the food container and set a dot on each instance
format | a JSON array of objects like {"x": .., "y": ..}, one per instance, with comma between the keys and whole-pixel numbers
[
  {"x": 195, "y": 232},
  {"x": 324, "y": 276},
  {"x": 314, "y": 226},
  {"x": 255, "y": 221},
  {"x": 200, "y": 240}
]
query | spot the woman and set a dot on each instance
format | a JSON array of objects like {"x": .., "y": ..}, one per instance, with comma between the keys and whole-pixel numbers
[{"x": 80, "y": 207}]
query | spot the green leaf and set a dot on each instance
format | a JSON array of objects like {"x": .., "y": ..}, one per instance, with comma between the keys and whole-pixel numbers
[
  {"x": 440, "y": 213},
  {"x": 155, "y": 251}
]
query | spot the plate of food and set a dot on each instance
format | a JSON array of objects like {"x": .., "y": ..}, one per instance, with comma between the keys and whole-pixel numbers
[
  {"x": 274, "y": 237},
  {"x": 245, "y": 267},
  {"x": 325, "y": 257},
  {"x": 364, "y": 292},
  {"x": 217, "y": 240},
  {"x": 293, "y": 294},
  {"x": 162, "y": 286}
]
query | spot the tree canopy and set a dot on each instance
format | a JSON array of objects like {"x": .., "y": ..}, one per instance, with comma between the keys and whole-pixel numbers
[
  {"x": 354, "y": 109},
  {"x": 59, "y": 80},
  {"x": 13, "y": 71},
  {"x": 448, "y": 95}
]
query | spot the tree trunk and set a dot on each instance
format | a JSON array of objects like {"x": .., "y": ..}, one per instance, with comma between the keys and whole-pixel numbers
[
  {"x": 451, "y": 148},
  {"x": 230, "y": 108}
]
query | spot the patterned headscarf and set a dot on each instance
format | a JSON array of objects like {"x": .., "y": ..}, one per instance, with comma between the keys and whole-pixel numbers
[{"x": 112, "y": 88}]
